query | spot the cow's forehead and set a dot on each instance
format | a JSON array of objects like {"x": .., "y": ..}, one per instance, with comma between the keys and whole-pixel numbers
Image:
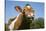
[{"x": 27, "y": 8}]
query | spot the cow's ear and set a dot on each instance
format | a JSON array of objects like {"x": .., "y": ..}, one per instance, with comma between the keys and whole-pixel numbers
[{"x": 18, "y": 8}]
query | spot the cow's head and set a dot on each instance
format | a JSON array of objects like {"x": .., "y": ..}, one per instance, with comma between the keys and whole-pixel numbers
[{"x": 27, "y": 9}]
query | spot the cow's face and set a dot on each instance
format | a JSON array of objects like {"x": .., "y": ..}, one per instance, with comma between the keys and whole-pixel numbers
[{"x": 28, "y": 11}]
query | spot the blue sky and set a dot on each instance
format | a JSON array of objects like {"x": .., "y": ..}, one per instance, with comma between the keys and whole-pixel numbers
[{"x": 11, "y": 12}]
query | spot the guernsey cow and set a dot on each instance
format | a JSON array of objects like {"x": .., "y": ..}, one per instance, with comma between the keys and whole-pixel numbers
[{"x": 23, "y": 20}]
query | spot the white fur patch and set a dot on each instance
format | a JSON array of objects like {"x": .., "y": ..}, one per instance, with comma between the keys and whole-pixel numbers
[{"x": 11, "y": 26}]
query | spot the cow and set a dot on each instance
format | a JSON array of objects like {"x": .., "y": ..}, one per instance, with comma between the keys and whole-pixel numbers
[{"x": 23, "y": 20}]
